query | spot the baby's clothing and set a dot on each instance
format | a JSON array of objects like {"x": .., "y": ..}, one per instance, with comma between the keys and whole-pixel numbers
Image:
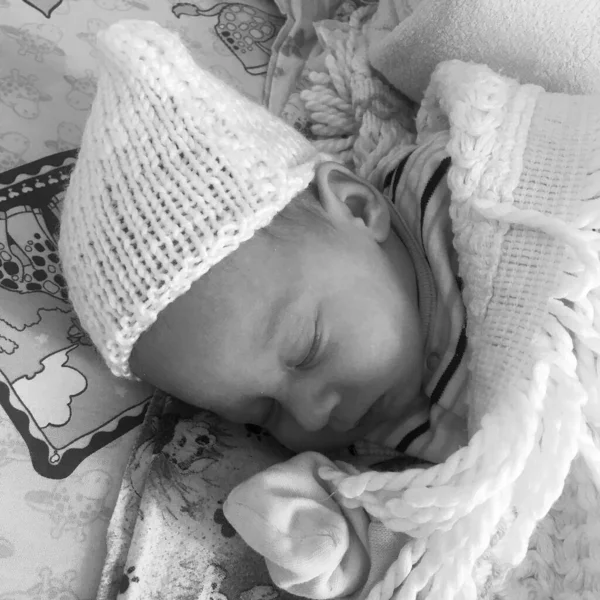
[
  {"x": 313, "y": 546},
  {"x": 415, "y": 183}
]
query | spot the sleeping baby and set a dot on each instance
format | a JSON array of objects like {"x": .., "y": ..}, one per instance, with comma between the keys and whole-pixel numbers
[
  {"x": 234, "y": 267},
  {"x": 210, "y": 250}
]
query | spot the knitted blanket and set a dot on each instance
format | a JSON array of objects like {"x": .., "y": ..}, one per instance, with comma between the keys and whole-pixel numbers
[{"x": 516, "y": 513}]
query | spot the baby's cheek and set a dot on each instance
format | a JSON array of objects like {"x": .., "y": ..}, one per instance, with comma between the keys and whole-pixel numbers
[
  {"x": 391, "y": 359},
  {"x": 380, "y": 352},
  {"x": 252, "y": 412},
  {"x": 405, "y": 344}
]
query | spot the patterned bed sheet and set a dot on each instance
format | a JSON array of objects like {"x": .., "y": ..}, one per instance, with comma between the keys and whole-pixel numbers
[{"x": 67, "y": 427}]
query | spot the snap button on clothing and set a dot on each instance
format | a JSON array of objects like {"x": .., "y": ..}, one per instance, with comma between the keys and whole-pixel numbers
[{"x": 433, "y": 361}]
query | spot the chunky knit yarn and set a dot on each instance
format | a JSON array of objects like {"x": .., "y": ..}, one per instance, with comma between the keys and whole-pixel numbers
[
  {"x": 176, "y": 170},
  {"x": 516, "y": 513}
]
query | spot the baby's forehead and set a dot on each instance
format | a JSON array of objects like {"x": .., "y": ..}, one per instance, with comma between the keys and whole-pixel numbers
[
  {"x": 259, "y": 270},
  {"x": 281, "y": 260}
]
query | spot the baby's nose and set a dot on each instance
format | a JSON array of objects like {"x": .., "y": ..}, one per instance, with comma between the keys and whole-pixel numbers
[{"x": 313, "y": 413}]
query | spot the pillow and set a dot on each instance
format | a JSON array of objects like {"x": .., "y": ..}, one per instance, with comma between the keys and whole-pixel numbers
[{"x": 553, "y": 43}]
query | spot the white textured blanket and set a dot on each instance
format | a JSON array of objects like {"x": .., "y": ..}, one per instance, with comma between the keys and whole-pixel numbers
[
  {"x": 554, "y": 43},
  {"x": 516, "y": 514}
]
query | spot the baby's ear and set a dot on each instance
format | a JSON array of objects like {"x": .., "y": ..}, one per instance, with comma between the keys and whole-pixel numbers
[{"x": 345, "y": 195}]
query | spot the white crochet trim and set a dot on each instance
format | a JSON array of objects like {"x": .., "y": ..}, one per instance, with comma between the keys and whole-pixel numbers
[{"x": 472, "y": 517}]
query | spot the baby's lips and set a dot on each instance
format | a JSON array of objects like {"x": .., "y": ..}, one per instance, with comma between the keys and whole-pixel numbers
[{"x": 370, "y": 418}]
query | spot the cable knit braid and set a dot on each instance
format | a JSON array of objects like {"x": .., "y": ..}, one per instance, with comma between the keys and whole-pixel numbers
[
  {"x": 535, "y": 401},
  {"x": 355, "y": 116}
]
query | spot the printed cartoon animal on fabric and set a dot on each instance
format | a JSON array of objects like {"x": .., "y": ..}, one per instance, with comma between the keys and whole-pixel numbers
[
  {"x": 20, "y": 93},
  {"x": 246, "y": 30}
]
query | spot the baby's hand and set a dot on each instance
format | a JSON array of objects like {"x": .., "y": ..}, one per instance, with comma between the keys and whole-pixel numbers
[{"x": 313, "y": 547}]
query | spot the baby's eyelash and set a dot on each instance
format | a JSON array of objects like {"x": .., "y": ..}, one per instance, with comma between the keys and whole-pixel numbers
[{"x": 313, "y": 350}]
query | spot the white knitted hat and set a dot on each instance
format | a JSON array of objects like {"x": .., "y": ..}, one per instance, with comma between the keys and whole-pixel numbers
[{"x": 175, "y": 171}]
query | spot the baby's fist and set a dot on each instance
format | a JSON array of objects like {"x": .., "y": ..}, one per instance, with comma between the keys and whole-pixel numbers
[{"x": 313, "y": 547}]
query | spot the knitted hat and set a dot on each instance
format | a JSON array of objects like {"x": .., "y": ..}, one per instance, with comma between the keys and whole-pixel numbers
[{"x": 175, "y": 171}]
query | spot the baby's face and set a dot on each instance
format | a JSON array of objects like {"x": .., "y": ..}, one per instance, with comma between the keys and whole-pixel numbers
[{"x": 317, "y": 339}]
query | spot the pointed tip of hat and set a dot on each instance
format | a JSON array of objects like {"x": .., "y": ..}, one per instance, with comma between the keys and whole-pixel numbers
[
  {"x": 132, "y": 42},
  {"x": 128, "y": 31}
]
